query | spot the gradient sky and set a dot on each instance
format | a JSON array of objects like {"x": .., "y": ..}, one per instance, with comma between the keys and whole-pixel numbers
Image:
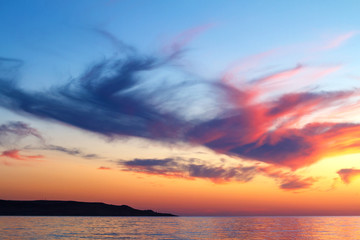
[{"x": 190, "y": 107}]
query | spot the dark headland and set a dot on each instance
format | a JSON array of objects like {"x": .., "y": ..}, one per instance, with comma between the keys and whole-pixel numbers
[{"x": 70, "y": 208}]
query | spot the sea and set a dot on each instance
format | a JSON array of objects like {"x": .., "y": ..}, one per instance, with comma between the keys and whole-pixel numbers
[{"x": 14, "y": 227}]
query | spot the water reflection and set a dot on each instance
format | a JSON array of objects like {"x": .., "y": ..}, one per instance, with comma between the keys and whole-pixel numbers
[{"x": 180, "y": 228}]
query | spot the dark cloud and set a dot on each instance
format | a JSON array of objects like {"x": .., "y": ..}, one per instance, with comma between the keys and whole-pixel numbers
[
  {"x": 348, "y": 174},
  {"x": 106, "y": 99},
  {"x": 148, "y": 96},
  {"x": 240, "y": 173},
  {"x": 220, "y": 173},
  {"x": 189, "y": 168},
  {"x": 91, "y": 156},
  {"x": 148, "y": 162},
  {"x": 17, "y": 130},
  {"x": 70, "y": 151},
  {"x": 292, "y": 147},
  {"x": 9, "y": 68},
  {"x": 287, "y": 180},
  {"x": 297, "y": 183}
]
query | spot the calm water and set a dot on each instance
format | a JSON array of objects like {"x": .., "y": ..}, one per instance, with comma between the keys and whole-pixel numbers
[{"x": 179, "y": 228}]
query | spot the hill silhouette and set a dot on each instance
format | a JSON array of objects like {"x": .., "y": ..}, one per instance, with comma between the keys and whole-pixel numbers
[{"x": 70, "y": 208}]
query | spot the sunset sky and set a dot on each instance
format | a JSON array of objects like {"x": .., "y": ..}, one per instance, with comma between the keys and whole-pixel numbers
[{"x": 193, "y": 107}]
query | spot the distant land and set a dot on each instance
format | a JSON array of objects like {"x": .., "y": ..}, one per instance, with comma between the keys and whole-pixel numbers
[{"x": 70, "y": 208}]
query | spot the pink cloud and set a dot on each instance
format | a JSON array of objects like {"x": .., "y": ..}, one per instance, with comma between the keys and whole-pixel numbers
[
  {"x": 339, "y": 40},
  {"x": 15, "y": 154},
  {"x": 272, "y": 131},
  {"x": 182, "y": 39},
  {"x": 104, "y": 168},
  {"x": 285, "y": 74},
  {"x": 243, "y": 65}
]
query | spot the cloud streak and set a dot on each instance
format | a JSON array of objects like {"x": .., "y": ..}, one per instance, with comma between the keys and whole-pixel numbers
[
  {"x": 189, "y": 169},
  {"x": 15, "y": 154},
  {"x": 339, "y": 40},
  {"x": 218, "y": 173},
  {"x": 104, "y": 168},
  {"x": 70, "y": 151},
  {"x": 18, "y": 130},
  {"x": 288, "y": 181},
  {"x": 347, "y": 175}
]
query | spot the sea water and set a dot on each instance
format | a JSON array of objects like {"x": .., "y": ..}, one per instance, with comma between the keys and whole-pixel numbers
[{"x": 179, "y": 228}]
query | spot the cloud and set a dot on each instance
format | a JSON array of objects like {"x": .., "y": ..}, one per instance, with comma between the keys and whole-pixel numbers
[
  {"x": 288, "y": 181},
  {"x": 91, "y": 156},
  {"x": 106, "y": 99},
  {"x": 148, "y": 162},
  {"x": 147, "y": 96},
  {"x": 104, "y": 168},
  {"x": 339, "y": 40},
  {"x": 70, "y": 151},
  {"x": 15, "y": 154},
  {"x": 189, "y": 169},
  {"x": 218, "y": 173},
  {"x": 348, "y": 174},
  {"x": 177, "y": 45},
  {"x": 221, "y": 174},
  {"x": 291, "y": 147},
  {"x": 296, "y": 183},
  {"x": 17, "y": 130}
]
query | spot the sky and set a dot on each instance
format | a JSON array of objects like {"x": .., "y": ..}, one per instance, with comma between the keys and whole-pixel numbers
[{"x": 189, "y": 107}]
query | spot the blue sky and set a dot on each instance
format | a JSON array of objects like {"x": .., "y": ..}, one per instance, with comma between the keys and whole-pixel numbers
[{"x": 56, "y": 38}]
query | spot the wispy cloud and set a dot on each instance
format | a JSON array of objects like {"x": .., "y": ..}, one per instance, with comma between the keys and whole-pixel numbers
[
  {"x": 17, "y": 130},
  {"x": 297, "y": 183},
  {"x": 177, "y": 45},
  {"x": 339, "y": 40},
  {"x": 287, "y": 180},
  {"x": 189, "y": 169},
  {"x": 70, "y": 151},
  {"x": 15, "y": 154},
  {"x": 348, "y": 174},
  {"x": 194, "y": 168},
  {"x": 104, "y": 168}
]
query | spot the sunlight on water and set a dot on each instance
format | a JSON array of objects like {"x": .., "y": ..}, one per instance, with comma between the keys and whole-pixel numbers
[{"x": 180, "y": 228}]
